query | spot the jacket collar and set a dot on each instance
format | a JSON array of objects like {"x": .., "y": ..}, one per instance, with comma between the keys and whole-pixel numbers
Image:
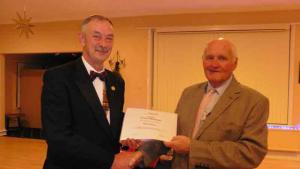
[
  {"x": 88, "y": 91},
  {"x": 230, "y": 94}
]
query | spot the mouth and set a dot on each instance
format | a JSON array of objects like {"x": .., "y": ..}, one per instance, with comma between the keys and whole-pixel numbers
[
  {"x": 213, "y": 71},
  {"x": 102, "y": 49}
]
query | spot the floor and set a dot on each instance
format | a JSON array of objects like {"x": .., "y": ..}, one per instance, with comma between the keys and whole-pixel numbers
[{"x": 21, "y": 153}]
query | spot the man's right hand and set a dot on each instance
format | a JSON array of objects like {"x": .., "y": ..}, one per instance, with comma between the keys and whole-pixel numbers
[
  {"x": 179, "y": 144},
  {"x": 126, "y": 160},
  {"x": 136, "y": 159},
  {"x": 167, "y": 157}
]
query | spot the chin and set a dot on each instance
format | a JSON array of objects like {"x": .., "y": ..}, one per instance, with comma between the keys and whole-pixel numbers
[
  {"x": 102, "y": 56},
  {"x": 214, "y": 81}
]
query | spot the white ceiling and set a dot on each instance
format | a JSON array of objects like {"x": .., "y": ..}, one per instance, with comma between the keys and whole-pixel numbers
[{"x": 58, "y": 10}]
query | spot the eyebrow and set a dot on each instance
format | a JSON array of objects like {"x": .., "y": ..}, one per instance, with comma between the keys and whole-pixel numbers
[
  {"x": 99, "y": 33},
  {"x": 111, "y": 35}
]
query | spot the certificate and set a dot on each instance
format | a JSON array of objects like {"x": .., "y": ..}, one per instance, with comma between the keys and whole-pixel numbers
[{"x": 149, "y": 124}]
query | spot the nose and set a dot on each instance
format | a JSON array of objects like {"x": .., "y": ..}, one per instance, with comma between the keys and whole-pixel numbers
[
  {"x": 101, "y": 42},
  {"x": 215, "y": 63}
]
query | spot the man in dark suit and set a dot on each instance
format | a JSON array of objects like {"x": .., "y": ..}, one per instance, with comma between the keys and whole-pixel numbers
[
  {"x": 82, "y": 131},
  {"x": 231, "y": 131}
]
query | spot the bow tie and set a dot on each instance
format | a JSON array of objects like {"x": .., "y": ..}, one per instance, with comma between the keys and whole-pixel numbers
[{"x": 101, "y": 76}]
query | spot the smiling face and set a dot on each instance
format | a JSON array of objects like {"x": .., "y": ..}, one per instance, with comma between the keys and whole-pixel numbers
[
  {"x": 219, "y": 61},
  {"x": 96, "y": 39}
]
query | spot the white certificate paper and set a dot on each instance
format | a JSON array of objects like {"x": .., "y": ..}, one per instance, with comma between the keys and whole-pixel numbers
[{"x": 149, "y": 124}]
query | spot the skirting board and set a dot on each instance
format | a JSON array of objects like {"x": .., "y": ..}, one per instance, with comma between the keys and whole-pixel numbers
[
  {"x": 288, "y": 155},
  {"x": 3, "y": 133}
]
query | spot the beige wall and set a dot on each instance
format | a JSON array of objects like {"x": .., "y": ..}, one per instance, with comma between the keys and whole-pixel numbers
[
  {"x": 48, "y": 37},
  {"x": 2, "y": 95},
  {"x": 296, "y": 84},
  {"x": 30, "y": 99},
  {"x": 132, "y": 42},
  {"x": 282, "y": 140},
  {"x": 10, "y": 85},
  {"x": 11, "y": 62}
]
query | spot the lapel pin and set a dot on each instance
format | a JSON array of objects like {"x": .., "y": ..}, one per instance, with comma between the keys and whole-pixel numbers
[{"x": 113, "y": 88}]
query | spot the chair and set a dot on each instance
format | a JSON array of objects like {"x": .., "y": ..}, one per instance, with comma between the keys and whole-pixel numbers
[{"x": 13, "y": 121}]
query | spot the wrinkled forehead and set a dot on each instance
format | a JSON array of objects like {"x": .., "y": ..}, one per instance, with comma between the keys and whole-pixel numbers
[{"x": 219, "y": 47}]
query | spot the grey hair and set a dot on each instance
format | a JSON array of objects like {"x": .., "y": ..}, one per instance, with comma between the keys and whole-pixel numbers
[
  {"x": 231, "y": 45},
  {"x": 92, "y": 18}
]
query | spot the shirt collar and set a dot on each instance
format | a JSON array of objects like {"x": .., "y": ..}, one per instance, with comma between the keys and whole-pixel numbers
[
  {"x": 220, "y": 90},
  {"x": 88, "y": 67}
]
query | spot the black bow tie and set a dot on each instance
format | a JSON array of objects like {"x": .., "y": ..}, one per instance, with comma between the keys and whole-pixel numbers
[{"x": 101, "y": 76}]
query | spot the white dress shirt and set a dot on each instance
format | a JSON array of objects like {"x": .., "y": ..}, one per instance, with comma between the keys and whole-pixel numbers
[{"x": 99, "y": 85}]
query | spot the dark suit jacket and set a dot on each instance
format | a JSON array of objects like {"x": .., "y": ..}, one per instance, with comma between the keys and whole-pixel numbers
[{"x": 77, "y": 132}]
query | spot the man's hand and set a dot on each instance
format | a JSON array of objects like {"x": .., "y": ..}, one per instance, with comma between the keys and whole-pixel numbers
[
  {"x": 136, "y": 159},
  {"x": 167, "y": 157},
  {"x": 132, "y": 144},
  {"x": 180, "y": 144},
  {"x": 126, "y": 160}
]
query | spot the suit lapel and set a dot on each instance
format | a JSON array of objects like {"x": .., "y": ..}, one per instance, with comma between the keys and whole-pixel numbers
[
  {"x": 88, "y": 91},
  {"x": 198, "y": 94},
  {"x": 230, "y": 94},
  {"x": 111, "y": 90}
]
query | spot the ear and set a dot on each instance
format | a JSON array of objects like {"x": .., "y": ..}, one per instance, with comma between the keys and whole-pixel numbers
[
  {"x": 82, "y": 39},
  {"x": 235, "y": 62}
]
